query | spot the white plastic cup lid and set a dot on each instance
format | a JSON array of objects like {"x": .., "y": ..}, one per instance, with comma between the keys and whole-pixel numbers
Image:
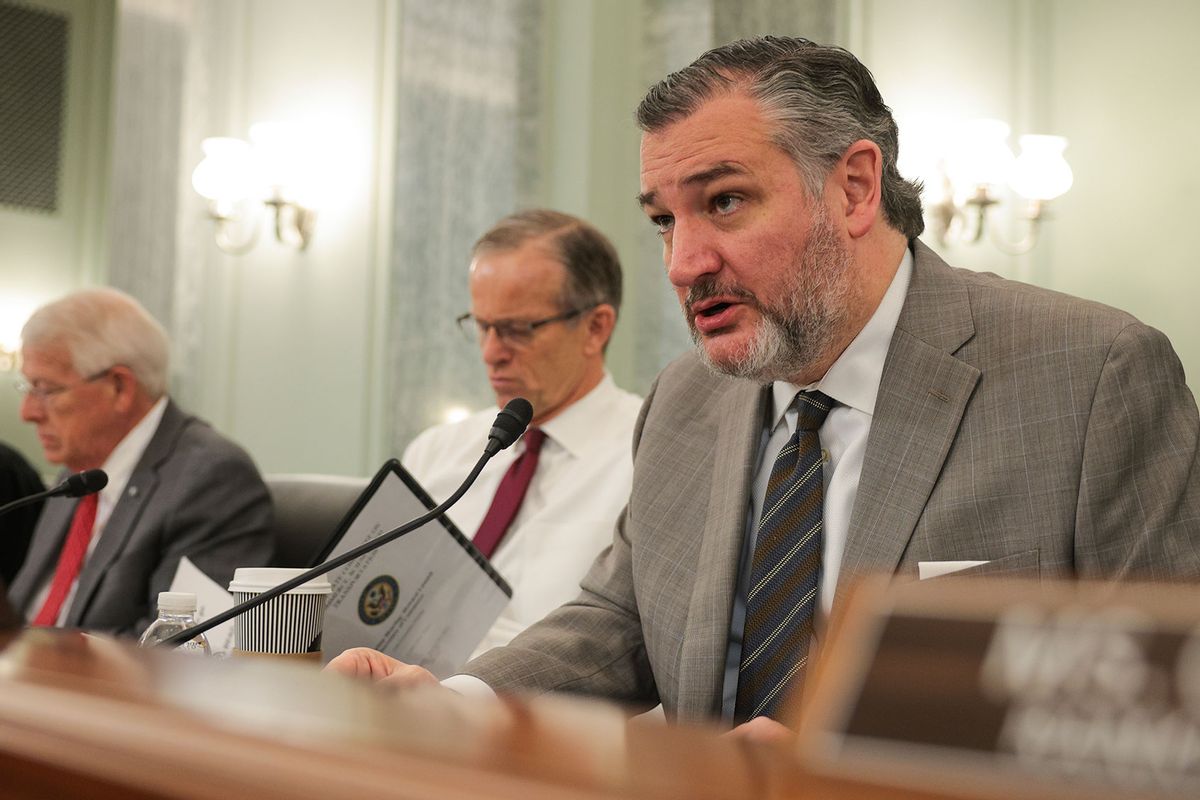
[
  {"x": 253, "y": 580},
  {"x": 176, "y": 601}
]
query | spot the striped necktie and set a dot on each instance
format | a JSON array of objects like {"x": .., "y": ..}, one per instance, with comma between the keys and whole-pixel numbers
[{"x": 781, "y": 602}]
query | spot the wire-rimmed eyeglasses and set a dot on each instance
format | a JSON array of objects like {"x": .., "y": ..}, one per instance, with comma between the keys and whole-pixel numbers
[
  {"x": 513, "y": 332},
  {"x": 44, "y": 393}
]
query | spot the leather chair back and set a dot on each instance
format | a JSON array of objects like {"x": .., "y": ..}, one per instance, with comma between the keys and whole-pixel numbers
[{"x": 308, "y": 509}]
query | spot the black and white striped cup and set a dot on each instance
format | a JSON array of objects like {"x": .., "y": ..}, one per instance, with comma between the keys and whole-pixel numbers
[{"x": 286, "y": 625}]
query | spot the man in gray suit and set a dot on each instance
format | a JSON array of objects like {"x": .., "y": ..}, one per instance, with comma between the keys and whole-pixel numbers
[
  {"x": 964, "y": 421},
  {"x": 95, "y": 370}
]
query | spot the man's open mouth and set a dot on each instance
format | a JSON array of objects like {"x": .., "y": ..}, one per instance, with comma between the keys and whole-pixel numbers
[{"x": 712, "y": 310}]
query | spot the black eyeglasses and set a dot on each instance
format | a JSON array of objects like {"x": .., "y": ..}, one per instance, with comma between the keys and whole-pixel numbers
[{"x": 513, "y": 332}]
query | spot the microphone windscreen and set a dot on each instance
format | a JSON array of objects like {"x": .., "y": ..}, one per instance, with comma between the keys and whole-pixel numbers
[
  {"x": 86, "y": 482},
  {"x": 521, "y": 410},
  {"x": 511, "y": 422}
]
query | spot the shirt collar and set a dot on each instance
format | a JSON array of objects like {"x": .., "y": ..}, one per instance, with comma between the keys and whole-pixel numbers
[
  {"x": 572, "y": 428},
  {"x": 124, "y": 458},
  {"x": 853, "y": 380}
]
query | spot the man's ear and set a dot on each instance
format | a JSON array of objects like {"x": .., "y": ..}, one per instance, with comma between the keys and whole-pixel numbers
[
  {"x": 125, "y": 384},
  {"x": 858, "y": 178},
  {"x": 600, "y": 322}
]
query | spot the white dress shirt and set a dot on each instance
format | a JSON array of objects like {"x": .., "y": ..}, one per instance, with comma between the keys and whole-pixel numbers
[
  {"x": 853, "y": 381},
  {"x": 568, "y": 514},
  {"x": 119, "y": 467}
]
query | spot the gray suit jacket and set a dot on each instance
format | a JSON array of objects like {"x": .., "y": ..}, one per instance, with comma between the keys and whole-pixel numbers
[
  {"x": 1046, "y": 434},
  {"x": 193, "y": 493}
]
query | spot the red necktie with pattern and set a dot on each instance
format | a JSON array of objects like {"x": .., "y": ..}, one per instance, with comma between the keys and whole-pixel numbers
[
  {"x": 70, "y": 560},
  {"x": 509, "y": 495}
]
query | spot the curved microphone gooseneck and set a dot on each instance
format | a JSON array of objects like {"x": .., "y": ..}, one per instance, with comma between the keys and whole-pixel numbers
[
  {"x": 509, "y": 425},
  {"x": 89, "y": 481}
]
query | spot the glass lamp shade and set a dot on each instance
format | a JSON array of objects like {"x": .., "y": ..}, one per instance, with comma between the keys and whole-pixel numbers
[
  {"x": 924, "y": 142},
  {"x": 981, "y": 156},
  {"x": 226, "y": 173},
  {"x": 1041, "y": 172},
  {"x": 13, "y": 313},
  {"x": 280, "y": 154}
]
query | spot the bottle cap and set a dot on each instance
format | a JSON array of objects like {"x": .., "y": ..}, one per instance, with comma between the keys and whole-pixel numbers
[{"x": 176, "y": 601}]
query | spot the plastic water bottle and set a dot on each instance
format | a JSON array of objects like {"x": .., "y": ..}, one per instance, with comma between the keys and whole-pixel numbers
[{"x": 176, "y": 611}]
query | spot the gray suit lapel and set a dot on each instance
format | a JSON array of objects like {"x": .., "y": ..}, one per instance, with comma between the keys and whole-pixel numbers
[
  {"x": 922, "y": 396},
  {"x": 705, "y": 640},
  {"x": 47, "y": 541},
  {"x": 128, "y": 511}
]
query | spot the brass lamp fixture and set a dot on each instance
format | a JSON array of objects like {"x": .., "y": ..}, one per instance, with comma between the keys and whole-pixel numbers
[
  {"x": 240, "y": 178},
  {"x": 973, "y": 172}
]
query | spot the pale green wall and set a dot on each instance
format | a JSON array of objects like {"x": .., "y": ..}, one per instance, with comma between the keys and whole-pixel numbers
[
  {"x": 1123, "y": 88},
  {"x": 300, "y": 332},
  {"x": 591, "y": 158},
  {"x": 43, "y": 255}
]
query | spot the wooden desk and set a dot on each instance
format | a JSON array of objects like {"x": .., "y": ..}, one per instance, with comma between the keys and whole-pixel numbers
[{"x": 88, "y": 717}]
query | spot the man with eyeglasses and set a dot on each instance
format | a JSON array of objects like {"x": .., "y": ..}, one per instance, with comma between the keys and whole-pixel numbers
[
  {"x": 94, "y": 366},
  {"x": 545, "y": 290}
]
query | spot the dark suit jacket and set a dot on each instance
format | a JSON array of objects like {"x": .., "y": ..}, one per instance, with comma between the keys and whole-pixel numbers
[
  {"x": 1048, "y": 435},
  {"x": 17, "y": 480},
  {"x": 193, "y": 493}
]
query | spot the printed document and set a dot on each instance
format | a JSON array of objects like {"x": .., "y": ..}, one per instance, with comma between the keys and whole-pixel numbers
[{"x": 426, "y": 598}]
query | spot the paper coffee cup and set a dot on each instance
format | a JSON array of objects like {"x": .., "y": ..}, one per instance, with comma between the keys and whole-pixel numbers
[{"x": 286, "y": 625}]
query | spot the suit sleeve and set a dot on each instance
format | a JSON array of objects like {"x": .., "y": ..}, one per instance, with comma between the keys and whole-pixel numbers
[
  {"x": 592, "y": 645},
  {"x": 1139, "y": 499},
  {"x": 220, "y": 519}
]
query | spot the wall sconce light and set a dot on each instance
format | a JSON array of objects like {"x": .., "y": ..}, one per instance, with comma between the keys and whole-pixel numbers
[
  {"x": 14, "y": 311},
  {"x": 236, "y": 176},
  {"x": 976, "y": 169}
]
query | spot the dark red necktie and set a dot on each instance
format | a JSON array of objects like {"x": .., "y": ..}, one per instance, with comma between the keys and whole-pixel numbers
[
  {"x": 509, "y": 495},
  {"x": 70, "y": 560}
]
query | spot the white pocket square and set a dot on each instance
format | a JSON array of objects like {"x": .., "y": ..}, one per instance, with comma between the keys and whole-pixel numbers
[{"x": 934, "y": 569}]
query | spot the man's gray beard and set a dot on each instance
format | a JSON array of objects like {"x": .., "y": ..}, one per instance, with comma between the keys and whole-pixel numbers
[{"x": 792, "y": 340}]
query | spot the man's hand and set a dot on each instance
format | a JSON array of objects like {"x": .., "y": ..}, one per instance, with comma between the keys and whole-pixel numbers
[
  {"x": 761, "y": 729},
  {"x": 363, "y": 662}
]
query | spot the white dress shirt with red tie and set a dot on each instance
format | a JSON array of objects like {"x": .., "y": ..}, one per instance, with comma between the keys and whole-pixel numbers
[{"x": 569, "y": 510}]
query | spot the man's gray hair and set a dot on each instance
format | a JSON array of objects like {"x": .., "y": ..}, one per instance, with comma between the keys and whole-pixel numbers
[
  {"x": 102, "y": 328},
  {"x": 593, "y": 268},
  {"x": 821, "y": 98}
]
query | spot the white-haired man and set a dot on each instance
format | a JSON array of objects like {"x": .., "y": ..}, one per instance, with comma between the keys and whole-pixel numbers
[{"x": 95, "y": 369}]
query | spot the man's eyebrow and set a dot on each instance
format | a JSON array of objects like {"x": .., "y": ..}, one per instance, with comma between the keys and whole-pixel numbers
[{"x": 709, "y": 175}]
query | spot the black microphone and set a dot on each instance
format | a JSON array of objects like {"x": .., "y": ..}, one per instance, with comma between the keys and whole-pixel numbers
[
  {"x": 89, "y": 481},
  {"x": 509, "y": 425}
]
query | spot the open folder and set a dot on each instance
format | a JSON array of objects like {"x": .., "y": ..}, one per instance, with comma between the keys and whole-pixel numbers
[{"x": 426, "y": 598}]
